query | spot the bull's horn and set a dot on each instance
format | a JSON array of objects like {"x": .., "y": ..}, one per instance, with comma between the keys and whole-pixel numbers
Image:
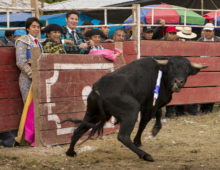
[
  {"x": 162, "y": 62},
  {"x": 199, "y": 66}
]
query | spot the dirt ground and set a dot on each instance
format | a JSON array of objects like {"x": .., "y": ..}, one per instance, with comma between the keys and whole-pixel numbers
[{"x": 184, "y": 143}]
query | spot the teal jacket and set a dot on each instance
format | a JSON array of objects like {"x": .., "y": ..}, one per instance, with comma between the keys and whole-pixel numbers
[{"x": 73, "y": 49}]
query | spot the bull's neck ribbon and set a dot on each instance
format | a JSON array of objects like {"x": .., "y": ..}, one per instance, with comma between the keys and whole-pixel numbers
[{"x": 157, "y": 87}]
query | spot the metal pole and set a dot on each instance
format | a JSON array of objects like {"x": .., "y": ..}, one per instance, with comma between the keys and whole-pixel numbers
[
  {"x": 215, "y": 18},
  {"x": 202, "y": 7},
  {"x": 105, "y": 15},
  {"x": 8, "y": 19},
  {"x": 152, "y": 19},
  {"x": 184, "y": 17}
]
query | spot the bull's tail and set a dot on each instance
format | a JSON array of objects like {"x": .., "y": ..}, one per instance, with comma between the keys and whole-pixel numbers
[
  {"x": 100, "y": 125},
  {"x": 71, "y": 120}
]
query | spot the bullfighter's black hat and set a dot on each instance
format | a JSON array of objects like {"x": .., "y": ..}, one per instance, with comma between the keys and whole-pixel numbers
[
  {"x": 52, "y": 27},
  {"x": 92, "y": 32}
]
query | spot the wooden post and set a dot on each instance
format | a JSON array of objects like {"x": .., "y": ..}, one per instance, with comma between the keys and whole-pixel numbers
[
  {"x": 34, "y": 4},
  {"x": 136, "y": 29},
  {"x": 202, "y": 7},
  {"x": 35, "y": 54}
]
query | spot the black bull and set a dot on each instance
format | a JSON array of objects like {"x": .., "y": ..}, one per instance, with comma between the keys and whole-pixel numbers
[{"x": 128, "y": 90}]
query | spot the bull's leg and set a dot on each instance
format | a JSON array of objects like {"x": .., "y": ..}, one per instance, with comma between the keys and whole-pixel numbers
[
  {"x": 77, "y": 135},
  {"x": 80, "y": 131},
  {"x": 126, "y": 127},
  {"x": 145, "y": 118},
  {"x": 157, "y": 125}
]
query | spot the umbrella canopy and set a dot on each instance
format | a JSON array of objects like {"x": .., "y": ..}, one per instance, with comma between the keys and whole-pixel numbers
[
  {"x": 211, "y": 16},
  {"x": 173, "y": 15}
]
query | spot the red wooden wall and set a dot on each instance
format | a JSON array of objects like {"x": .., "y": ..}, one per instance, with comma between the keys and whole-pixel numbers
[
  {"x": 10, "y": 99},
  {"x": 63, "y": 83},
  {"x": 201, "y": 88}
]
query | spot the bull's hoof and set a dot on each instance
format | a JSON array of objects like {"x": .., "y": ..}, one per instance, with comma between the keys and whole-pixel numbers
[
  {"x": 148, "y": 157},
  {"x": 137, "y": 143},
  {"x": 155, "y": 130},
  {"x": 71, "y": 153}
]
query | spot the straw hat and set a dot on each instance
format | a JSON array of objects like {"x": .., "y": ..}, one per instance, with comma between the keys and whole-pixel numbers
[{"x": 187, "y": 33}]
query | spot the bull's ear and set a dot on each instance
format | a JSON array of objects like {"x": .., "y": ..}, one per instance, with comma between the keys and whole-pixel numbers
[{"x": 195, "y": 68}]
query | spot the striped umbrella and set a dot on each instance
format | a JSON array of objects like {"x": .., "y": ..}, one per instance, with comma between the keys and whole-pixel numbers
[
  {"x": 211, "y": 16},
  {"x": 173, "y": 15}
]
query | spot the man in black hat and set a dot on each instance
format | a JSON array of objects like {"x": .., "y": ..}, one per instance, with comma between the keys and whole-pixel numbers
[
  {"x": 147, "y": 33},
  {"x": 53, "y": 42},
  {"x": 150, "y": 33},
  {"x": 8, "y": 40}
]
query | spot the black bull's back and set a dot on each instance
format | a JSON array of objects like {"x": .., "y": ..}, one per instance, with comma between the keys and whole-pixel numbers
[{"x": 128, "y": 90}]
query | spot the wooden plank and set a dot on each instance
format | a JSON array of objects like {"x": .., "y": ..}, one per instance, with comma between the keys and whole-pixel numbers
[
  {"x": 59, "y": 99},
  {"x": 77, "y": 76},
  {"x": 204, "y": 79},
  {"x": 179, "y": 48},
  {"x": 9, "y": 90},
  {"x": 129, "y": 48},
  {"x": 9, "y": 75},
  {"x": 35, "y": 56},
  {"x": 110, "y": 46},
  {"x": 63, "y": 107},
  {"x": 50, "y": 137},
  {"x": 48, "y": 60},
  {"x": 10, "y": 106},
  {"x": 49, "y": 125},
  {"x": 9, "y": 122},
  {"x": 196, "y": 95},
  {"x": 7, "y": 56}
]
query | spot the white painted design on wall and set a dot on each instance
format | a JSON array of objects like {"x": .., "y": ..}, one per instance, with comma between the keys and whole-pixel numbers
[{"x": 86, "y": 90}]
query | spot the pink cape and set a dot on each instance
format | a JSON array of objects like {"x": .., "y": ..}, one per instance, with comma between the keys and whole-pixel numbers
[
  {"x": 29, "y": 125},
  {"x": 108, "y": 54}
]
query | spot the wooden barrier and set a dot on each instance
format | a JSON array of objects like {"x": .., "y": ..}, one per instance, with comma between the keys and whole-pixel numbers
[
  {"x": 201, "y": 88},
  {"x": 10, "y": 99},
  {"x": 61, "y": 84}
]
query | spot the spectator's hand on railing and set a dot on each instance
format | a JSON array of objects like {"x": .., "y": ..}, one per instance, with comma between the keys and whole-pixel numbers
[
  {"x": 83, "y": 45},
  {"x": 70, "y": 42},
  {"x": 90, "y": 43}
]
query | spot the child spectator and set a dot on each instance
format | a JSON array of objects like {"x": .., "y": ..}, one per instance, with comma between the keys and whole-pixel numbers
[{"x": 94, "y": 39}]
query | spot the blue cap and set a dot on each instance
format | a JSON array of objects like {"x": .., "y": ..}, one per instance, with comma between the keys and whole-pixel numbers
[{"x": 20, "y": 32}]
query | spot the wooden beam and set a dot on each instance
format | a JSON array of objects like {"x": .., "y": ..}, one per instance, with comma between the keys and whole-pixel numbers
[
  {"x": 35, "y": 54},
  {"x": 34, "y": 4}
]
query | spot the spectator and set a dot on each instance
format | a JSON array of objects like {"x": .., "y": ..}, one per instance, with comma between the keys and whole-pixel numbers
[
  {"x": 94, "y": 40},
  {"x": 8, "y": 40},
  {"x": 147, "y": 33},
  {"x": 84, "y": 30},
  {"x": 105, "y": 30},
  {"x": 170, "y": 34},
  {"x": 53, "y": 43},
  {"x": 159, "y": 31},
  {"x": 119, "y": 35},
  {"x": 19, "y": 33},
  {"x": 186, "y": 34},
  {"x": 208, "y": 36},
  {"x": 73, "y": 41}
]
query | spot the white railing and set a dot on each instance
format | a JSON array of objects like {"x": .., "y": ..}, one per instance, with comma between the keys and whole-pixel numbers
[{"x": 136, "y": 24}]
